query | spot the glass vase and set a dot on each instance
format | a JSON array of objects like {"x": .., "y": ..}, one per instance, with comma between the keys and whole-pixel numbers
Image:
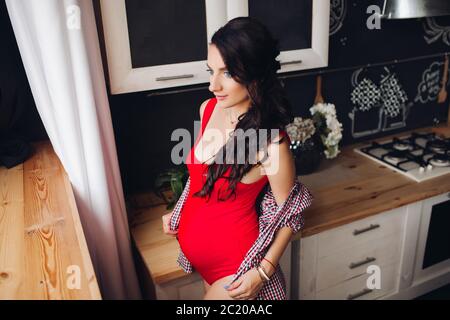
[{"x": 307, "y": 155}]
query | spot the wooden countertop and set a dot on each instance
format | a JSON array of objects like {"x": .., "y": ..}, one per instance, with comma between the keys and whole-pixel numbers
[
  {"x": 352, "y": 187},
  {"x": 347, "y": 188},
  {"x": 42, "y": 245}
]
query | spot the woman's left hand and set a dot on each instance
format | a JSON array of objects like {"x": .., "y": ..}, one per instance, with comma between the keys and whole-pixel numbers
[{"x": 247, "y": 286}]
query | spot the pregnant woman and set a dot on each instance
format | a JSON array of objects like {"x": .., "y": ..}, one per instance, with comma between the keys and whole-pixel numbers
[{"x": 219, "y": 223}]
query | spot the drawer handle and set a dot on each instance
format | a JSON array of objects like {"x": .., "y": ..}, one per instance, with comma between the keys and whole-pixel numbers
[
  {"x": 359, "y": 294},
  {"x": 371, "y": 227},
  {"x": 354, "y": 265},
  {"x": 182, "y": 76},
  {"x": 290, "y": 62}
]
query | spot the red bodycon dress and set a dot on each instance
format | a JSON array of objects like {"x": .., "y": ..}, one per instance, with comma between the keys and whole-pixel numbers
[{"x": 216, "y": 235}]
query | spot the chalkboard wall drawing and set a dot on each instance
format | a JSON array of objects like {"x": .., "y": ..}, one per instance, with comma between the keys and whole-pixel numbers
[
  {"x": 163, "y": 43},
  {"x": 366, "y": 115},
  {"x": 394, "y": 100},
  {"x": 434, "y": 31},
  {"x": 338, "y": 11},
  {"x": 377, "y": 106},
  {"x": 428, "y": 88}
]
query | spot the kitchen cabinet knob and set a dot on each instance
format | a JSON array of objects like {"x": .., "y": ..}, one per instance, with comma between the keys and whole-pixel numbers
[
  {"x": 371, "y": 227},
  {"x": 354, "y": 265},
  {"x": 359, "y": 294},
  {"x": 290, "y": 62}
]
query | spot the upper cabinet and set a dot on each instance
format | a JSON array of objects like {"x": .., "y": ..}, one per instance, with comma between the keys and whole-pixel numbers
[{"x": 163, "y": 43}]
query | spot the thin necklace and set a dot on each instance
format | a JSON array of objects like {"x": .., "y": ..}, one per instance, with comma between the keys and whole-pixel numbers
[
  {"x": 232, "y": 122},
  {"x": 229, "y": 116}
]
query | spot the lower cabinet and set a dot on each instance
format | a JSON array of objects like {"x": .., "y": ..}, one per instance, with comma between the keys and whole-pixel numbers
[
  {"x": 357, "y": 287},
  {"x": 191, "y": 287},
  {"x": 360, "y": 260},
  {"x": 399, "y": 254}
]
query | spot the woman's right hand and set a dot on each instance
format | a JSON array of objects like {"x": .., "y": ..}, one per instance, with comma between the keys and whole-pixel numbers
[{"x": 166, "y": 222}]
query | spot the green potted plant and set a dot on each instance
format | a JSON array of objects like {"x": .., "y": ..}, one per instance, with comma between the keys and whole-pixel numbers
[{"x": 173, "y": 179}]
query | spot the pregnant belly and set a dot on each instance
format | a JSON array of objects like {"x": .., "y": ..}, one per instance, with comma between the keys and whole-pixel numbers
[{"x": 216, "y": 243}]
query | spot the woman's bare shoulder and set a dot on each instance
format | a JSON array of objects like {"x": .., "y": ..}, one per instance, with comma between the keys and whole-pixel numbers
[{"x": 202, "y": 107}]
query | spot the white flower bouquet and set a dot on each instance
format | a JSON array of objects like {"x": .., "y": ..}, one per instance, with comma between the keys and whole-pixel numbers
[
  {"x": 300, "y": 130},
  {"x": 328, "y": 127},
  {"x": 322, "y": 131}
]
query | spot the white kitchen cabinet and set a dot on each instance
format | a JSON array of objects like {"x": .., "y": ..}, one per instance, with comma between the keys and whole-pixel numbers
[
  {"x": 190, "y": 287},
  {"x": 158, "y": 44},
  {"x": 353, "y": 261},
  {"x": 302, "y": 28},
  {"x": 356, "y": 288},
  {"x": 334, "y": 263},
  {"x": 161, "y": 44}
]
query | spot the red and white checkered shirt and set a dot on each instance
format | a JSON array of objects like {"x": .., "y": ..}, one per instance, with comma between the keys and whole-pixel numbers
[{"x": 271, "y": 219}]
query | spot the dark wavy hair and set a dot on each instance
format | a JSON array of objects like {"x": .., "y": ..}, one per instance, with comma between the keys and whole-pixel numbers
[{"x": 249, "y": 52}]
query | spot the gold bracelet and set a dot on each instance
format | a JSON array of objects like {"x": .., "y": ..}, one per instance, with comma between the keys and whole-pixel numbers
[
  {"x": 263, "y": 273},
  {"x": 264, "y": 280},
  {"x": 260, "y": 275}
]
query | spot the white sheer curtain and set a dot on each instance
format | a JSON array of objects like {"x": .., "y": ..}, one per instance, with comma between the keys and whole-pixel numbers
[{"x": 59, "y": 47}]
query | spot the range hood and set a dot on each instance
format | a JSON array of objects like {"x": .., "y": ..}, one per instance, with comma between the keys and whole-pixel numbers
[{"x": 404, "y": 9}]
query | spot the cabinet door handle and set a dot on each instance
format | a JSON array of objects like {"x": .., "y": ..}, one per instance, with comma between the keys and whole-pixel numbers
[
  {"x": 371, "y": 227},
  {"x": 290, "y": 62},
  {"x": 359, "y": 294},
  {"x": 181, "y": 76},
  {"x": 354, "y": 265}
]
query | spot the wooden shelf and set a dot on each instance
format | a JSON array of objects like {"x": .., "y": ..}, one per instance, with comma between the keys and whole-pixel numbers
[{"x": 42, "y": 244}]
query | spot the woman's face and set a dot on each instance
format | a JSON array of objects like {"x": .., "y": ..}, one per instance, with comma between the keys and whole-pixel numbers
[{"x": 229, "y": 92}]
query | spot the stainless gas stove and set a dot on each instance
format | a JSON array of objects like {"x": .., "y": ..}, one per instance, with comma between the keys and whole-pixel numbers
[{"x": 419, "y": 156}]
